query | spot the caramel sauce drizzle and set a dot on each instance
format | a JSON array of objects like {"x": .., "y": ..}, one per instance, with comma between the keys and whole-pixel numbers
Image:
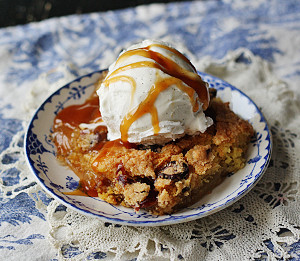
[
  {"x": 71, "y": 117},
  {"x": 124, "y": 78},
  {"x": 65, "y": 124},
  {"x": 168, "y": 66},
  {"x": 177, "y": 53},
  {"x": 109, "y": 148},
  {"x": 76, "y": 192},
  {"x": 177, "y": 76},
  {"x": 147, "y": 106}
]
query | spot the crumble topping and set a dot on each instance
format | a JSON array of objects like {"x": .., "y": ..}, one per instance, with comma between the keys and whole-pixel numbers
[{"x": 158, "y": 178}]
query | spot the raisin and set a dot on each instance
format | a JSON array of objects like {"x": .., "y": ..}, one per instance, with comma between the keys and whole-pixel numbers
[
  {"x": 149, "y": 201},
  {"x": 154, "y": 147},
  {"x": 122, "y": 176},
  {"x": 212, "y": 93},
  {"x": 148, "y": 180},
  {"x": 185, "y": 189},
  {"x": 174, "y": 170}
]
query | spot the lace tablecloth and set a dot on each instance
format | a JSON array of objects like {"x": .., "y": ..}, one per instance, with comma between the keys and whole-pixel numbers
[{"x": 255, "y": 45}]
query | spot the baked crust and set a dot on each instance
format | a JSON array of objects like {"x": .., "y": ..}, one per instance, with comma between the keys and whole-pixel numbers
[{"x": 160, "y": 179}]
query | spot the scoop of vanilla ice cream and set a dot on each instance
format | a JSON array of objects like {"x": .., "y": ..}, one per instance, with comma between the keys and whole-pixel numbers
[{"x": 143, "y": 98}]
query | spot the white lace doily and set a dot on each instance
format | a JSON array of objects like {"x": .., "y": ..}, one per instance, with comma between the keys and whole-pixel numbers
[{"x": 262, "y": 224}]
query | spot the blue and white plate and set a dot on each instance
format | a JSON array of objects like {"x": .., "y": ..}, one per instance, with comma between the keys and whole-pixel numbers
[{"x": 57, "y": 179}]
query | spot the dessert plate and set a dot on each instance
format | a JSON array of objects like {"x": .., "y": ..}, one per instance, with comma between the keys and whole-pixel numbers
[{"x": 57, "y": 180}]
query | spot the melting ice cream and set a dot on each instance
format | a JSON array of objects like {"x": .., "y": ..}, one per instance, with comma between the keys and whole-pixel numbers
[{"x": 152, "y": 94}]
